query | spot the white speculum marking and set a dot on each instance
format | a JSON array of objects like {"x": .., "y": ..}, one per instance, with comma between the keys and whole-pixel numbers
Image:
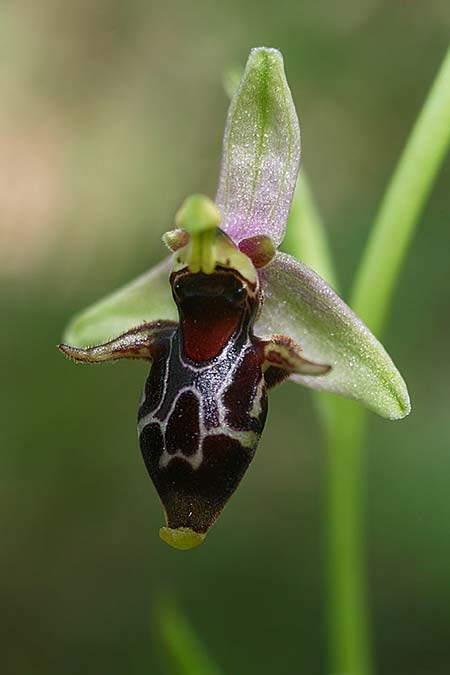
[{"x": 246, "y": 438}]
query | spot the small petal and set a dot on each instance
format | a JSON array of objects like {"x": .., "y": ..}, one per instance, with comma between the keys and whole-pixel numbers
[
  {"x": 175, "y": 239},
  {"x": 261, "y": 152},
  {"x": 259, "y": 249},
  {"x": 147, "y": 298},
  {"x": 281, "y": 353},
  {"x": 300, "y": 304},
  {"x": 136, "y": 343}
]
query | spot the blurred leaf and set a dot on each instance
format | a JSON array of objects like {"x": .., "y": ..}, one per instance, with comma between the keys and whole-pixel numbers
[
  {"x": 185, "y": 650},
  {"x": 403, "y": 203}
]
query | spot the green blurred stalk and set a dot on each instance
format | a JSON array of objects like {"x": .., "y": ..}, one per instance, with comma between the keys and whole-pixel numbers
[{"x": 344, "y": 424}]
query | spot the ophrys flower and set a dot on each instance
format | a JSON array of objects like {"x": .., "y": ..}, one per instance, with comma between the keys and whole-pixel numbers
[{"x": 227, "y": 317}]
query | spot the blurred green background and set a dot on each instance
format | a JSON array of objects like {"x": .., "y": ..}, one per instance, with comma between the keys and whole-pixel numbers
[{"x": 112, "y": 112}]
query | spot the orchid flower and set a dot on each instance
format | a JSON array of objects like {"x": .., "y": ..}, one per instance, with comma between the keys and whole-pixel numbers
[{"x": 227, "y": 316}]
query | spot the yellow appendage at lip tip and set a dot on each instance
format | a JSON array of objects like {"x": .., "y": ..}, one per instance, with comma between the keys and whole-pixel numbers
[{"x": 182, "y": 538}]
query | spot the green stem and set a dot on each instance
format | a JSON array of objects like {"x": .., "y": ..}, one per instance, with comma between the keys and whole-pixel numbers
[
  {"x": 403, "y": 203},
  {"x": 348, "y": 616}
]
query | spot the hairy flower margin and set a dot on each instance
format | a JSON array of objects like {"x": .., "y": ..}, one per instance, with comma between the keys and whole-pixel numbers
[{"x": 260, "y": 161}]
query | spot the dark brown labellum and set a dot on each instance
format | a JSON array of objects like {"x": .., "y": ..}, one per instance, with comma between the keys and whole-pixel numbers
[{"x": 204, "y": 404}]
